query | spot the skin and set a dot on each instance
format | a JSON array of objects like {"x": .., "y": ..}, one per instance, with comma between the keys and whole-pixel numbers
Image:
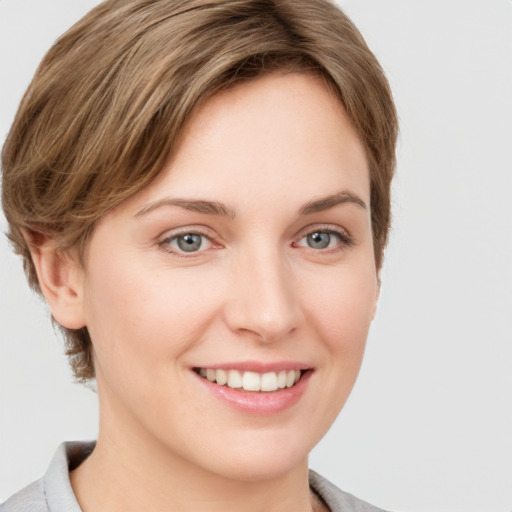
[{"x": 256, "y": 290}]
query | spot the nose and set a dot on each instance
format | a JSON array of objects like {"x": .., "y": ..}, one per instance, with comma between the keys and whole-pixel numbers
[{"x": 263, "y": 300}]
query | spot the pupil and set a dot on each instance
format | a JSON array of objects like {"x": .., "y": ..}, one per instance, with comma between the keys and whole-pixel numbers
[
  {"x": 319, "y": 240},
  {"x": 189, "y": 243}
]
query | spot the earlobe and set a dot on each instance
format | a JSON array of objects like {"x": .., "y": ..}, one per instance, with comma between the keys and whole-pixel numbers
[{"x": 60, "y": 278}]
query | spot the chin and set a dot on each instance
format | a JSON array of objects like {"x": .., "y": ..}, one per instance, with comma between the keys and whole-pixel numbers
[
  {"x": 261, "y": 468},
  {"x": 258, "y": 461}
]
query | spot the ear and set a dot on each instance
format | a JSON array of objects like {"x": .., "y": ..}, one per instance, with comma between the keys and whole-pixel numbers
[{"x": 60, "y": 277}]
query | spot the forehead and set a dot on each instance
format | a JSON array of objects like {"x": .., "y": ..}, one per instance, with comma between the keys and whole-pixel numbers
[{"x": 278, "y": 133}]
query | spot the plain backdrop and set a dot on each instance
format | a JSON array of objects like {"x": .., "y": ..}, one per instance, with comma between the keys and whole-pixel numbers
[{"x": 429, "y": 424}]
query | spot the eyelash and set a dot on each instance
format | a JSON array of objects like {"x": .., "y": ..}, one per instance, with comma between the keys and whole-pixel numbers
[
  {"x": 166, "y": 243},
  {"x": 344, "y": 241}
]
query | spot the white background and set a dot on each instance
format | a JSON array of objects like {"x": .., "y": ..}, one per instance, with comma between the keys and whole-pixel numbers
[{"x": 429, "y": 425}]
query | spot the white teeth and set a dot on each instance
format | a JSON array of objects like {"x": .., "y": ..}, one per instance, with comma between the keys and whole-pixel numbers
[
  {"x": 269, "y": 381},
  {"x": 281, "y": 379},
  {"x": 222, "y": 377},
  {"x": 252, "y": 381},
  {"x": 290, "y": 378},
  {"x": 234, "y": 379}
]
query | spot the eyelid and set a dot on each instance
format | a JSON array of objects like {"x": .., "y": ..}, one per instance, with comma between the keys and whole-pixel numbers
[
  {"x": 165, "y": 239},
  {"x": 346, "y": 239}
]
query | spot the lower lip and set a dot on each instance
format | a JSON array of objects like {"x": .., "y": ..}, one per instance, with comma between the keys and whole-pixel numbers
[{"x": 259, "y": 402}]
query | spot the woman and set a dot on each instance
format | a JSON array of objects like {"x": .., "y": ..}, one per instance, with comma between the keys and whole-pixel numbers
[{"x": 200, "y": 191}]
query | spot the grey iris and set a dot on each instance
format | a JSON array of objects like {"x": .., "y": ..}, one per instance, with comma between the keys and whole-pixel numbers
[
  {"x": 189, "y": 242},
  {"x": 319, "y": 240}
]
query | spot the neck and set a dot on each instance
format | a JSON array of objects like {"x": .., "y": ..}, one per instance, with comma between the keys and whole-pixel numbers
[{"x": 132, "y": 473}]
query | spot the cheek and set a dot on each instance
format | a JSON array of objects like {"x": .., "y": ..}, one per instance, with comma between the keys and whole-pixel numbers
[
  {"x": 142, "y": 315},
  {"x": 345, "y": 305},
  {"x": 340, "y": 313}
]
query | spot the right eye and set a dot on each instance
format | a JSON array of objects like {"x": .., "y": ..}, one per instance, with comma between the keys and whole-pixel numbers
[{"x": 187, "y": 242}]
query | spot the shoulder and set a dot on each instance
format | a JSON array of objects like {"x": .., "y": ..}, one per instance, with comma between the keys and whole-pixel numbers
[
  {"x": 29, "y": 499},
  {"x": 336, "y": 499},
  {"x": 53, "y": 492}
]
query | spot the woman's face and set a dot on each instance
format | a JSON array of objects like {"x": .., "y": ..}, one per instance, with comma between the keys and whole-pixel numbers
[{"x": 251, "y": 255}]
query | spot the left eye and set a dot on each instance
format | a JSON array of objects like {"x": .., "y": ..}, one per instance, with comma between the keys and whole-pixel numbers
[
  {"x": 188, "y": 242},
  {"x": 320, "y": 240}
]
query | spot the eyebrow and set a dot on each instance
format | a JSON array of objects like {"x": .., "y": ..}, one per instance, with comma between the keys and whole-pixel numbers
[
  {"x": 219, "y": 209},
  {"x": 194, "y": 205},
  {"x": 326, "y": 203}
]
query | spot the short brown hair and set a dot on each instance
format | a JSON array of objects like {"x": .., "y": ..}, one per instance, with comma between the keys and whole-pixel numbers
[{"x": 111, "y": 96}]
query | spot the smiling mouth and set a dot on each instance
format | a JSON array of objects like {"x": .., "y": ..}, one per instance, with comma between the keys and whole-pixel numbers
[{"x": 251, "y": 381}]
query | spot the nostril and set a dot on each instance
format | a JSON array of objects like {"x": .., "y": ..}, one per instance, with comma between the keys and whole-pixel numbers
[{"x": 263, "y": 302}]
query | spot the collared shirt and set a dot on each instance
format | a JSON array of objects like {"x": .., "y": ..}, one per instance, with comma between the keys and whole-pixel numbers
[{"x": 53, "y": 492}]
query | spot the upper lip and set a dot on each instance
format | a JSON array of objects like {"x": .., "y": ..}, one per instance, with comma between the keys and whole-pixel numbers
[{"x": 258, "y": 366}]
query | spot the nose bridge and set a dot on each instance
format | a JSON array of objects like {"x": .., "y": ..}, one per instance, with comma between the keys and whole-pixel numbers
[{"x": 264, "y": 301}]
